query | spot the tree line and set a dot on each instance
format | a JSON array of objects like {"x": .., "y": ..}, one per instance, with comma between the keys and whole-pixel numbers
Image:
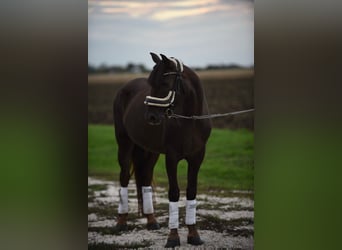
[
  {"x": 130, "y": 67},
  {"x": 141, "y": 68}
]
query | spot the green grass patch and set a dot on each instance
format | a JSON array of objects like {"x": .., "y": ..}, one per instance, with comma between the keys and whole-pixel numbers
[{"x": 228, "y": 163}]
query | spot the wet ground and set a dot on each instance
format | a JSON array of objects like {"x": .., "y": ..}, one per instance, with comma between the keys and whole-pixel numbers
[{"x": 225, "y": 220}]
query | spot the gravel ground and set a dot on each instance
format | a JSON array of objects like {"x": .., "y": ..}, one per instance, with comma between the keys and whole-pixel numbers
[{"x": 225, "y": 220}]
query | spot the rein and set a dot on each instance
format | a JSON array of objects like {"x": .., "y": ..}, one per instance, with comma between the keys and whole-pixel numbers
[{"x": 169, "y": 113}]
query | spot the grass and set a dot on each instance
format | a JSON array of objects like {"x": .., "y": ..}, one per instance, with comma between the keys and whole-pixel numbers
[{"x": 228, "y": 163}]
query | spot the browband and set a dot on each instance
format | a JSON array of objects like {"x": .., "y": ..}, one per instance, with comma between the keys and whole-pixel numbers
[{"x": 161, "y": 102}]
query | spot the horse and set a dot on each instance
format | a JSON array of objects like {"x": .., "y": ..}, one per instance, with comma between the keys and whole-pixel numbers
[{"x": 145, "y": 128}]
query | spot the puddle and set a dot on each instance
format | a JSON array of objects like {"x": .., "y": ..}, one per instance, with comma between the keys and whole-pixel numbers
[{"x": 223, "y": 222}]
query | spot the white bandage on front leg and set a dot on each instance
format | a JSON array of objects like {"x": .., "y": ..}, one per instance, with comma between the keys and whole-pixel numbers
[
  {"x": 147, "y": 200},
  {"x": 190, "y": 216},
  {"x": 173, "y": 215},
  {"x": 123, "y": 204}
]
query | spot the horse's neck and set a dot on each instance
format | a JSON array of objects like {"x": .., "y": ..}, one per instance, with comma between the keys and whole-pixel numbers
[{"x": 197, "y": 104}]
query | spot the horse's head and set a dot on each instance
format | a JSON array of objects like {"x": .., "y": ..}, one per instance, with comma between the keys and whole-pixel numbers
[{"x": 167, "y": 87}]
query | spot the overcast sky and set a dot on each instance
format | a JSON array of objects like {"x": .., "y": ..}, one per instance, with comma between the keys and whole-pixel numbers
[{"x": 199, "y": 32}]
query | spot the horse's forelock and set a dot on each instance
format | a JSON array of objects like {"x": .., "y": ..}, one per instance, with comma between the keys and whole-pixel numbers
[
  {"x": 163, "y": 67},
  {"x": 156, "y": 74}
]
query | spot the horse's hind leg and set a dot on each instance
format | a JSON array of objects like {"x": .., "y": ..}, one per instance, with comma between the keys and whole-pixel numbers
[
  {"x": 194, "y": 163},
  {"x": 144, "y": 162},
  {"x": 125, "y": 158}
]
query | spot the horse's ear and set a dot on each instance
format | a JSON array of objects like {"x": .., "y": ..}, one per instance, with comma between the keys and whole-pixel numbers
[
  {"x": 166, "y": 60},
  {"x": 155, "y": 57}
]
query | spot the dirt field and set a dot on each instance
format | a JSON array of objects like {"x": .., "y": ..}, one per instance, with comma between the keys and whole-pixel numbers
[
  {"x": 204, "y": 75},
  {"x": 226, "y": 91},
  {"x": 225, "y": 219}
]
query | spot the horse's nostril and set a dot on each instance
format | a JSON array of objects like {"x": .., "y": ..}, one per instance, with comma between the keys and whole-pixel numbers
[{"x": 152, "y": 118}]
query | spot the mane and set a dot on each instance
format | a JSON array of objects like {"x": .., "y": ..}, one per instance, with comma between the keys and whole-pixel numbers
[{"x": 197, "y": 88}]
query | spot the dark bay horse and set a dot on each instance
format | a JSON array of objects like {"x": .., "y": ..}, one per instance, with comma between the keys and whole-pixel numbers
[{"x": 144, "y": 129}]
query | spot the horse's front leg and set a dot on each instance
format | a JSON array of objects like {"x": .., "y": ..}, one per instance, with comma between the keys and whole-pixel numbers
[
  {"x": 171, "y": 168},
  {"x": 194, "y": 163}
]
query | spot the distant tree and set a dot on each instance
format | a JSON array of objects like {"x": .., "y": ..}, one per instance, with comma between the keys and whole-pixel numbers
[
  {"x": 91, "y": 69},
  {"x": 143, "y": 68},
  {"x": 129, "y": 67},
  {"x": 223, "y": 66},
  {"x": 136, "y": 68},
  {"x": 104, "y": 68}
]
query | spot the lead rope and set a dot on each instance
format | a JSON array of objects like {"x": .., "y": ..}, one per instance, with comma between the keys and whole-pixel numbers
[{"x": 170, "y": 114}]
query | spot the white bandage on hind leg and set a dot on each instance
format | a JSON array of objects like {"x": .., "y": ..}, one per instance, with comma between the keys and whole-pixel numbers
[
  {"x": 190, "y": 216},
  {"x": 123, "y": 204},
  {"x": 147, "y": 200},
  {"x": 173, "y": 215}
]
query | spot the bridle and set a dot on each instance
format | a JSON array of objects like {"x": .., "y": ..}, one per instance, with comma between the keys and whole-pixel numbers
[{"x": 169, "y": 99}]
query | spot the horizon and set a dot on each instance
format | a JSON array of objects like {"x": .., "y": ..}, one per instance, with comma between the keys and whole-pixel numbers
[{"x": 225, "y": 65}]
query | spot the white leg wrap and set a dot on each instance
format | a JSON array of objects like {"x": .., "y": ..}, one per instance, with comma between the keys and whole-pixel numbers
[
  {"x": 123, "y": 204},
  {"x": 147, "y": 200},
  {"x": 173, "y": 215},
  {"x": 190, "y": 216}
]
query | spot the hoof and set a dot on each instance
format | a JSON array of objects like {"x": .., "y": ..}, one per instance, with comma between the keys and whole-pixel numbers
[
  {"x": 153, "y": 226},
  {"x": 196, "y": 241},
  {"x": 171, "y": 243},
  {"x": 121, "y": 227}
]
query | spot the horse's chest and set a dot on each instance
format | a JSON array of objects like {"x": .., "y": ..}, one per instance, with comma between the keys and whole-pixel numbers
[
  {"x": 159, "y": 139},
  {"x": 183, "y": 141},
  {"x": 149, "y": 137}
]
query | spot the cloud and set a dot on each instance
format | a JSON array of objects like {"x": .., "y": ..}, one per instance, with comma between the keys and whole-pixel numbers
[
  {"x": 190, "y": 3},
  {"x": 172, "y": 14},
  {"x": 161, "y": 11},
  {"x": 151, "y": 4}
]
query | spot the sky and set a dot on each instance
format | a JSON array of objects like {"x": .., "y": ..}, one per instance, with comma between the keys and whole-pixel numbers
[{"x": 198, "y": 32}]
